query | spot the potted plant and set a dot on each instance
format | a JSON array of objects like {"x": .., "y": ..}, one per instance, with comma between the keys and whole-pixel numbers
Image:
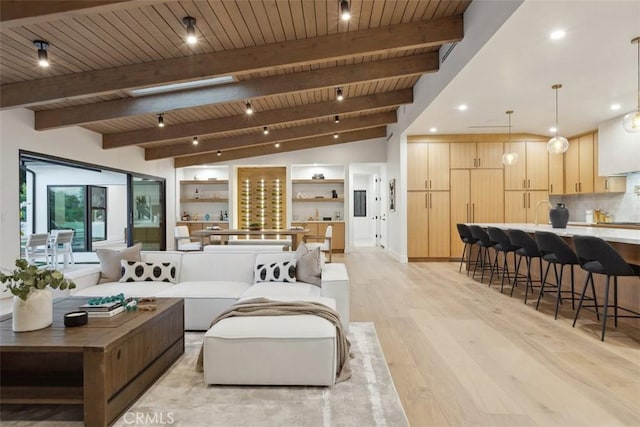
[
  {"x": 32, "y": 298},
  {"x": 255, "y": 226}
]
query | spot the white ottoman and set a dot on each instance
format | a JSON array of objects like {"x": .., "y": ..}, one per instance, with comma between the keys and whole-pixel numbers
[{"x": 272, "y": 350}]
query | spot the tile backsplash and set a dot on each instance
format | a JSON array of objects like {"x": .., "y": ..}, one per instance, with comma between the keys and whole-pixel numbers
[{"x": 624, "y": 207}]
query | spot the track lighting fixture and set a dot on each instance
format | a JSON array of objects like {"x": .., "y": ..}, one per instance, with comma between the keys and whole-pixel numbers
[
  {"x": 337, "y": 119},
  {"x": 345, "y": 10},
  {"x": 265, "y": 130},
  {"x": 277, "y": 145},
  {"x": 219, "y": 153},
  {"x": 335, "y": 135},
  {"x": 160, "y": 120},
  {"x": 557, "y": 144},
  {"x": 190, "y": 23},
  {"x": 249, "y": 108},
  {"x": 194, "y": 141},
  {"x": 339, "y": 95},
  {"x": 42, "y": 46}
]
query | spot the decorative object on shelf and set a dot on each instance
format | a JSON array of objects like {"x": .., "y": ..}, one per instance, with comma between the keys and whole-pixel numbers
[
  {"x": 510, "y": 157},
  {"x": 317, "y": 176},
  {"x": 32, "y": 298},
  {"x": 631, "y": 121},
  {"x": 75, "y": 318},
  {"x": 255, "y": 226},
  {"x": 186, "y": 216},
  {"x": 317, "y": 217},
  {"x": 559, "y": 216},
  {"x": 207, "y": 217},
  {"x": 338, "y": 215},
  {"x": 392, "y": 195},
  {"x": 196, "y": 195},
  {"x": 334, "y": 194},
  {"x": 557, "y": 144}
]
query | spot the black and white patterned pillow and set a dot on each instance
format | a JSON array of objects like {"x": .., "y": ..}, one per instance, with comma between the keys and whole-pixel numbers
[
  {"x": 137, "y": 271},
  {"x": 284, "y": 271}
]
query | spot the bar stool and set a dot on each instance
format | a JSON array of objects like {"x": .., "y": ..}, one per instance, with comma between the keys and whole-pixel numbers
[
  {"x": 556, "y": 252},
  {"x": 527, "y": 249},
  {"x": 484, "y": 243},
  {"x": 468, "y": 240},
  {"x": 598, "y": 257},
  {"x": 503, "y": 245}
]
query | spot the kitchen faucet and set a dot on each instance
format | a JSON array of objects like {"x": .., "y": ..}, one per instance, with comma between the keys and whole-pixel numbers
[{"x": 538, "y": 206}]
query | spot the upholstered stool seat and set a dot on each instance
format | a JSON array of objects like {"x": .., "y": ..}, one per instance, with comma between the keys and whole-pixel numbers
[{"x": 272, "y": 350}]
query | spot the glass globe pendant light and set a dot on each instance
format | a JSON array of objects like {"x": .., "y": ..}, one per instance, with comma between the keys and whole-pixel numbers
[
  {"x": 511, "y": 157},
  {"x": 557, "y": 144},
  {"x": 631, "y": 121}
]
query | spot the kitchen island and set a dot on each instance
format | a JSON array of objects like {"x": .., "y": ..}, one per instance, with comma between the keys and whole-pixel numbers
[{"x": 625, "y": 241}]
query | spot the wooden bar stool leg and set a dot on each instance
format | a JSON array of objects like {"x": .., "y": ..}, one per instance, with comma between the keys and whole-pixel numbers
[{"x": 605, "y": 307}]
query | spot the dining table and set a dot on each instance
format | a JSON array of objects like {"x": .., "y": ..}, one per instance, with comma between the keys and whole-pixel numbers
[{"x": 291, "y": 232}]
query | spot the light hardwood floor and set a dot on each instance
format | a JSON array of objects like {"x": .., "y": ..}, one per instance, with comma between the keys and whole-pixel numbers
[{"x": 460, "y": 353}]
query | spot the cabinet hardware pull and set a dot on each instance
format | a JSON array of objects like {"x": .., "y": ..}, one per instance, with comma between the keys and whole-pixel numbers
[
  {"x": 524, "y": 204},
  {"x": 478, "y": 161},
  {"x": 606, "y": 184},
  {"x": 524, "y": 185},
  {"x": 426, "y": 200},
  {"x": 576, "y": 187},
  {"x": 468, "y": 212},
  {"x": 473, "y": 212},
  {"x": 474, "y": 162},
  {"x": 528, "y": 183},
  {"x": 529, "y": 194},
  {"x": 580, "y": 186},
  {"x": 430, "y": 201},
  {"x": 425, "y": 184},
  {"x": 551, "y": 186}
]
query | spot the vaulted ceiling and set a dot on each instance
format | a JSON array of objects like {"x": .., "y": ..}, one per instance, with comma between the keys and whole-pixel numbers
[{"x": 286, "y": 57}]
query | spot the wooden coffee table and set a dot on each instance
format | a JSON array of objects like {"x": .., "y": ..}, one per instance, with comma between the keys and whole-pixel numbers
[{"x": 104, "y": 365}]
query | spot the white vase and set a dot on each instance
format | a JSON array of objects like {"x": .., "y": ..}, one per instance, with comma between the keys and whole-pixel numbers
[{"x": 34, "y": 313}]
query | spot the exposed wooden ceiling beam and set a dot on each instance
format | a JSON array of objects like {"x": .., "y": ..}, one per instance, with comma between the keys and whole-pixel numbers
[
  {"x": 299, "y": 144},
  {"x": 247, "y": 89},
  {"x": 238, "y": 61},
  {"x": 279, "y": 135},
  {"x": 17, "y": 13},
  {"x": 265, "y": 118}
]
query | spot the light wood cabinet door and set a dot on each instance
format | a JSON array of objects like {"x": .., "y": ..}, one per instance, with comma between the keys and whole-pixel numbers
[
  {"x": 585, "y": 184},
  {"x": 463, "y": 155},
  {"x": 438, "y": 176},
  {"x": 439, "y": 217},
  {"x": 417, "y": 166},
  {"x": 489, "y": 155},
  {"x": 417, "y": 224},
  {"x": 460, "y": 196},
  {"x": 487, "y": 195},
  {"x": 533, "y": 198},
  {"x": 556, "y": 174},
  {"x": 515, "y": 206},
  {"x": 515, "y": 175},
  {"x": 605, "y": 184},
  {"x": 571, "y": 167},
  {"x": 537, "y": 163}
]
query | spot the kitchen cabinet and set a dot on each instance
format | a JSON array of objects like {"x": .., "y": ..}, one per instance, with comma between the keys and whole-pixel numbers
[
  {"x": 605, "y": 184},
  {"x": 477, "y": 195},
  {"x": 556, "y": 174},
  {"x": 428, "y": 224},
  {"x": 476, "y": 155},
  {"x": 521, "y": 206},
  {"x": 318, "y": 228},
  {"x": 578, "y": 163},
  {"x": 531, "y": 172},
  {"x": 427, "y": 166}
]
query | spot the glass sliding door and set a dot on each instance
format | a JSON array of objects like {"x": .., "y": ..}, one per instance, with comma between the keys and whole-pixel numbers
[
  {"x": 98, "y": 213},
  {"x": 147, "y": 212},
  {"x": 68, "y": 210}
]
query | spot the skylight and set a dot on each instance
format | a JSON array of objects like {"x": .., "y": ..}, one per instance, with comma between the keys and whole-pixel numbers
[{"x": 152, "y": 90}]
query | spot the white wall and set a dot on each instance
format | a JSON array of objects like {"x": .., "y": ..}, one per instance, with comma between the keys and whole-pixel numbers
[
  {"x": 364, "y": 227},
  {"x": 16, "y": 132}
]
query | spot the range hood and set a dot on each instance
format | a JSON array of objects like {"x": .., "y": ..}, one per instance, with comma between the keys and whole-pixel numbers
[{"x": 619, "y": 150}]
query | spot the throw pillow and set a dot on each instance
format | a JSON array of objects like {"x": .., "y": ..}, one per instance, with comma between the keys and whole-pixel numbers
[
  {"x": 110, "y": 261},
  {"x": 284, "y": 271},
  {"x": 308, "y": 265},
  {"x": 138, "y": 271}
]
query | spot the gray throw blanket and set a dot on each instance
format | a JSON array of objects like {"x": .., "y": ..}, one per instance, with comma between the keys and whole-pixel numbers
[{"x": 267, "y": 307}]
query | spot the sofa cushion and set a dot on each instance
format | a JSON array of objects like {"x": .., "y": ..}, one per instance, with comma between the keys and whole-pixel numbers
[
  {"x": 165, "y": 256},
  {"x": 282, "y": 271},
  {"x": 138, "y": 271},
  {"x": 110, "y": 261},
  {"x": 234, "y": 267},
  {"x": 129, "y": 289},
  {"x": 275, "y": 289},
  {"x": 206, "y": 289},
  {"x": 308, "y": 265}
]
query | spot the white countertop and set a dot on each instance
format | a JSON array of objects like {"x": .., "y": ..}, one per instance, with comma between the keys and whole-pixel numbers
[{"x": 619, "y": 235}]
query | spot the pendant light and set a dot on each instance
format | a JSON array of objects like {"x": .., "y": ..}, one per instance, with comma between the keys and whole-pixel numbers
[
  {"x": 345, "y": 10},
  {"x": 194, "y": 141},
  {"x": 265, "y": 130},
  {"x": 557, "y": 144},
  {"x": 190, "y": 23},
  {"x": 339, "y": 95},
  {"x": 43, "y": 58},
  {"x": 160, "y": 120},
  {"x": 248, "y": 108},
  {"x": 510, "y": 157},
  {"x": 631, "y": 121}
]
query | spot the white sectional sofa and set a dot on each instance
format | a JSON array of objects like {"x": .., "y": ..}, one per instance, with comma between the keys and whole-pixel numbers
[{"x": 210, "y": 282}]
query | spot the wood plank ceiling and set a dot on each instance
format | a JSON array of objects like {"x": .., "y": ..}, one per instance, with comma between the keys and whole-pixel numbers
[{"x": 287, "y": 59}]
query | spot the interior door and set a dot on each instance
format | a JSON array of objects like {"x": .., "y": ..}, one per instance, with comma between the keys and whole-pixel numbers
[{"x": 147, "y": 213}]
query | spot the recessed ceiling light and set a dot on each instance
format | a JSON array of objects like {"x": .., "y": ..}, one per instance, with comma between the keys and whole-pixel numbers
[
  {"x": 152, "y": 90},
  {"x": 335, "y": 135},
  {"x": 557, "y": 34},
  {"x": 432, "y": 130},
  {"x": 462, "y": 107},
  {"x": 277, "y": 145},
  {"x": 615, "y": 107},
  {"x": 553, "y": 129}
]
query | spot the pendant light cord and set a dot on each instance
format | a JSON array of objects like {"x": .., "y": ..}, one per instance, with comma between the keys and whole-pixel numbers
[
  {"x": 638, "y": 94},
  {"x": 556, "y": 111}
]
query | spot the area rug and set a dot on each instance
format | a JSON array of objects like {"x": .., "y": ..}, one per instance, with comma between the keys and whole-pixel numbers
[{"x": 180, "y": 397}]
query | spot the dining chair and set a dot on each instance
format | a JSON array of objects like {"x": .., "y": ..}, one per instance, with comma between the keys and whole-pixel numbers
[
  {"x": 37, "y": 247},
  {"x": 183, "y": 240},
  {"x": 324, "y": 244},
  {"x": 60, "y": 243}
]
